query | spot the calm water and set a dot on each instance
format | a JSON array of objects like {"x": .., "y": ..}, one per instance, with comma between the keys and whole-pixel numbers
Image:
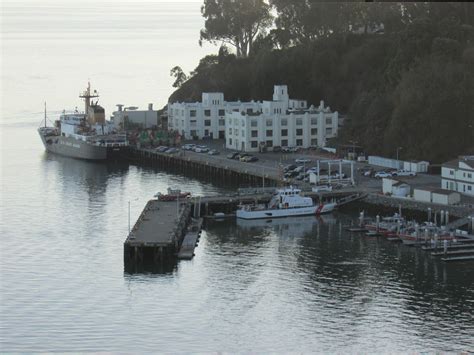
[{"x": 301, "y": 285}]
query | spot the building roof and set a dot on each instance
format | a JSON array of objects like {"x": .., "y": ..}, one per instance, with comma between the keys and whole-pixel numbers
[
  {"x": 444, "y": 192},
  {"x": 466, "y": 159}
]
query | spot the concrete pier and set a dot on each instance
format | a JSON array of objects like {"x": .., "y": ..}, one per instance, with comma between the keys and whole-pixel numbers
[{"x": 158, "y": 233}]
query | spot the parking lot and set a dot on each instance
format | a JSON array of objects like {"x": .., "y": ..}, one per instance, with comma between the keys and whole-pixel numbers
[{"x": 272, "y": 164}]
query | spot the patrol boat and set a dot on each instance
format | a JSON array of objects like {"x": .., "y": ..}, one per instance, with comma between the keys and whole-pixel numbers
[
  {"x": 286, "y": 202},
  {"x": 83, "y": 135}
]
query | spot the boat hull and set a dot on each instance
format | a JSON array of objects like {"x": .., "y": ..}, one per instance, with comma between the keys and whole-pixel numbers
[
  {"x": 286, "y": 212},
  {"x": 75, "y": 148}
]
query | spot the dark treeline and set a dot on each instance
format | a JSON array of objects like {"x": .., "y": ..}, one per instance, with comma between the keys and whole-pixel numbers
[{"x": 410, "y": 85}]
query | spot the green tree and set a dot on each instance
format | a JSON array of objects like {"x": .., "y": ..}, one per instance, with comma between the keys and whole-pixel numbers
[
  {"x": 179, "y": 75},
  {"x": 236, "y": 22}
]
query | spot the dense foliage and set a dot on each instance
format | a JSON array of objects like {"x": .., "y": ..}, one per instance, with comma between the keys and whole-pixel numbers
[{"x": 410, "y": 86}]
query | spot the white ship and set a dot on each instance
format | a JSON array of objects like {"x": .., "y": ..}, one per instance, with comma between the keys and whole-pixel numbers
[
  {"x": 84, "y": 135},
  {"x": 285, "y": 203}
]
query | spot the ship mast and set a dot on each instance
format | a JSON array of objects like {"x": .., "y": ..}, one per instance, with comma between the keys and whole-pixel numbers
[
  {"x": 45, "y": 114},
  {"x": 86, "y": 95}
]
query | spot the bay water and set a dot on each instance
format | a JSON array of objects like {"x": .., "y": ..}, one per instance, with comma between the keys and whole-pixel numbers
[{"x": 291, "y": 285}]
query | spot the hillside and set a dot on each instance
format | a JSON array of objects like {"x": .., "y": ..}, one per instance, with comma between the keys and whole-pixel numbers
[{"x": 411, "y": 88}]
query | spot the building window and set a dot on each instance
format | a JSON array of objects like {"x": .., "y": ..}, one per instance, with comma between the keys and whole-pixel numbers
[
  {"x": 230, "y": 130},
  {"x": 249, "y": 111},
  {"x": 242, "y": 123},
  {"x": 328, "y": 131},
  {"x": 284, "y": 122},
  {"x": 269, "y": 133},
  {"x": 221, "y": 122},
  {"x": 230, "y": 141},
  {"x": 236, "y": 132},
  {"x": 207, "y": 122},
  {"x": 469, "y": 176},
  {"x": 314, "y": 131},
  {"x": 269, "y": 123},
  {"x": 299, "y": 132},
  {"x": 243, "y": 133},
  {"x": 253, "y": 123},
  {"x": 469, "y": 187},
  {"x": 284, "y": 142},
  {"x": 451, "y": 172},
  {"x": 192, "y": 113},
  {"x": 192, "y": 123},
  {"x": 314, "y": 121},
  {"x": 299, "y": 121},
  {"x": 254, "y": 134},
  {"x": 207, "y": 113},
  {"x": 221, "y": 112},
  {"x": 269, "y": 144},
  {"x": 193, "y": 133},
  {"x": 299, "y": 142},
  {"x": 284, "y": 132},
  {"x": 254, "y": 144},
  {"x": 329, "y": 121},
  {"x": 314, "y": 142}
]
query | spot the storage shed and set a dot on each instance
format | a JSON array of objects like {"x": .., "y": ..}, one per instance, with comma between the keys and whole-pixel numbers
[
  {"x": 395, "y": 187},
  {"x": 416, "y": 166},
  {"x": 445, "y": 197},
  {"x": 423, "y": 195}
]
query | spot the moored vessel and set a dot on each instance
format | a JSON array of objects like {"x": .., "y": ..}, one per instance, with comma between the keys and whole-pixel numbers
[
  {"x": 83, "y": 135},
  {"x": 285, "y": 203}
]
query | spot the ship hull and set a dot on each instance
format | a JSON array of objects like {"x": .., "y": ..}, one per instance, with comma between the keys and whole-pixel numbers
[
  {"x": 74, "y": 148},
  {"x": 286, "y": 212}
]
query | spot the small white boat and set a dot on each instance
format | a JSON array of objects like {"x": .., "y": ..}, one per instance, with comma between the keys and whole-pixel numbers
[{"x": 285, "y": 203}]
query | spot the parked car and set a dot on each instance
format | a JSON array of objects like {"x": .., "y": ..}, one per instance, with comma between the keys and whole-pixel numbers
[
  {"x": 213, "y": 152},
  {"x": 171, "y": 150},
  {"x": 289, "y": 168},
  {"x": 242, "y": 156},
  {"x": 277, "y": 149},
  {"x": 382, "y": 174},
  {"x": 302, "y": 161},
  {"x": 291, "y": 174},
  {"x": 339, "y": 176},
  {"x": 201, "y": 149},
  {"x": 249, "y": 159},
  {"x": 232, "y": 155},
  {"x": 162, "y": 149},
  {"x": 403, "y": 173},
  {"x": 189, "y": 146},
  {"x": 299, "y": 169},
  {"x": 300, "y": 176},
  {"x": 293, "y": 149}
]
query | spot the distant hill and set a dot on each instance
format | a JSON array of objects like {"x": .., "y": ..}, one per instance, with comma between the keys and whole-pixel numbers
[{"x": 413, "y": 88}]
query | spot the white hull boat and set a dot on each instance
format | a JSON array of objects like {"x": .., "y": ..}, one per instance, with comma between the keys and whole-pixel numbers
[{"x": 286, "y": 203}]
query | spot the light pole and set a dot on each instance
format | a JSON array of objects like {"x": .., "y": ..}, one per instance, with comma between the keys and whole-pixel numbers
[
  {"x": 353, "y": 147},
  {"x": 398, "y": 163}
]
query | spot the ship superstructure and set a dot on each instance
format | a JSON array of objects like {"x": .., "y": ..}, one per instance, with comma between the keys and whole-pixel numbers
[{"x": 84, "y": 135}]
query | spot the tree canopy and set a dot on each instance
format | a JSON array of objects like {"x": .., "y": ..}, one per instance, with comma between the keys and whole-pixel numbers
[
  {"x": 235, "y": 22},
  {"x": 411, "y": 85}
]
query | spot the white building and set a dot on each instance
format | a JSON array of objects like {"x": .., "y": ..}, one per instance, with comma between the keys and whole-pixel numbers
[
  {"x": 458, "y": 175},
  {"x": 282, "y": 122},
  {"x": 445, "y": 197},
  {"x": 395, "y": 187},
  {"x": 416, "y": 166},
  {"x": 131, "y": 117},
  {"x": 250, "y": 125},
  {"x": 205, "y": 119}
]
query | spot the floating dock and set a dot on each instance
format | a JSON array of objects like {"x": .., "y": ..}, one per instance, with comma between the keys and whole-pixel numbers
[{"x": 190, "y": 240}]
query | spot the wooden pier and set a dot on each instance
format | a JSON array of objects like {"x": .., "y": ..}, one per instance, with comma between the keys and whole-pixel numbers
[{"x": 190, "y": 240}]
